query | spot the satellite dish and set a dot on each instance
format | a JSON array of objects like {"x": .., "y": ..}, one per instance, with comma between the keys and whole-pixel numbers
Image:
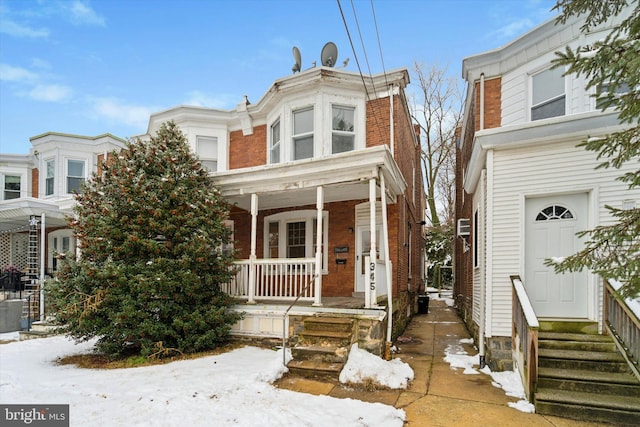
[
  {"x": 329, "y": 54},
  {"x": 298, "y": 59}
]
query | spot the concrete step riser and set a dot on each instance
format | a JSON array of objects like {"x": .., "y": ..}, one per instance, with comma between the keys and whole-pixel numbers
[
  {"x": 312, "y": 340},
  {"x": 337, "y": 327},
  {"x": 584, "y": 412},
  {"x": 569, "y": 327},
  {"x": 337, "y": 356},
  {"x": 598, "y": 366},
  {"x": 578, "y": 346},
  {"x": 589, "y": 387}
]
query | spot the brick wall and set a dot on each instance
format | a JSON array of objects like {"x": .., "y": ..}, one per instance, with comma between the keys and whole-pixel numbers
[
  {"x": 250, "y": 150},
  {"x": 492, "y": 104},
  {"x": 35, "y": 183}
]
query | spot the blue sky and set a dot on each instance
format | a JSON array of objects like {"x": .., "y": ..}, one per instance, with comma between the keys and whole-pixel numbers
[{"x": 90, "y": 67}]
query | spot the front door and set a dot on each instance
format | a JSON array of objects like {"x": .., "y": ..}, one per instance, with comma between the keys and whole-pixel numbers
[
  {"x": 363, "y": 248},
  {"x": 550, "y": 232}
]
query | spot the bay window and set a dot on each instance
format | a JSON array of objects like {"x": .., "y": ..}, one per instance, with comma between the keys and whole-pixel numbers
[
  {"x": 342, "y": 129},
  {"x": 303, "y": 134},
  {"x": 207, "y": 149},
  {"x": 274, "y": 143},
  {"x": 75, "y": 175},
  {"x": 50, "y": 167},
  {"x": 11, "y": 187}
]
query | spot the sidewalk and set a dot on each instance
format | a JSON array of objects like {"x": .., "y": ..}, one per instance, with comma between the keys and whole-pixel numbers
[{"x": 438, "y": 396}]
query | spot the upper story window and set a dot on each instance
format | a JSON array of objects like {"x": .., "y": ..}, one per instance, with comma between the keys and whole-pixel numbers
[
  {"x": 608, "y": 94},
  {"x": 343, "y": 130},
  {"x": 207, "y": 149},
  {"x": 11, "y": 187},
  {"x": 75, "y": 175},
  {"x": 50, "y": 166},
  {"x": 548, "y": 94},
  {"x": 302, "y": 136},
  {"x": 274, "y": 143}
]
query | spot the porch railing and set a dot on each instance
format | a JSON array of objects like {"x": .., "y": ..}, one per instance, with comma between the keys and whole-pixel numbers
[
  {"x": 525, "y": 337},
  {"x": 273, "y": 279},
  {"x": 624, "y": 326}
]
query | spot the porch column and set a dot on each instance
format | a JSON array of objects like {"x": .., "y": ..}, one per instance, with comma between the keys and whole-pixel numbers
[
  {"x": 387, "y": 265},
  {"x": 43, "y": 254},
  {"x": 252, "y": 255},
  {"x": 317, "y": 298},
  {"x": 370, "y": 299}
]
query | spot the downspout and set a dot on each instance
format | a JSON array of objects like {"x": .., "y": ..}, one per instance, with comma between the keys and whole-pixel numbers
[
  {"x": 392, "y": 131},
  {"x": 481, "y": 328},
  {"x": 387, "y": 262},
  {"x": 43, "y": 236}
]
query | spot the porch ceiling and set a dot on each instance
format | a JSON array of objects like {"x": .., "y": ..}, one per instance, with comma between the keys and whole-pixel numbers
[
  {"x": 15, "y": 213},
  {"x": 344, "y": 177}
]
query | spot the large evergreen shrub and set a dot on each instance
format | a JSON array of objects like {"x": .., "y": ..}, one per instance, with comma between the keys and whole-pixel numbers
[{"x": 151, "y": 230}]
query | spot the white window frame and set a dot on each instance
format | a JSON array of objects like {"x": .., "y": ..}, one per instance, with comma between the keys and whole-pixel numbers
[
  {"x": 60, "y": 235},
  {"x": 206, "y": 161},
  {"x": 308, "y": 216},
  {"x": 546, "y": 101},
  {"x": 67, "y": 175},
  {"x": 3, "y": 182},
  {"x": 46, "y": 177},
  {"x": 275, "y": 146},
  {"x": 305, "y": 134},
  {"x": 339, "y": 132}
]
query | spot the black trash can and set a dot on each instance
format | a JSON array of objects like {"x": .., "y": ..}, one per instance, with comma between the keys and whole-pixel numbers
[{"x": 423, "y": 304}]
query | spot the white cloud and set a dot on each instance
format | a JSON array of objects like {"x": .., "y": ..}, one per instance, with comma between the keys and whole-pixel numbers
[
  {"x": 120, "y": 111},
  {"x": 200, "y": 99},
  {"x": 40, "y": 63},
  {"x": 82, "y": 14},
  {"x": 10, "y": 73},
  {"x": 17, "y": 30},
  {"x": 515, "y": 28},
  {"x": 50, "y": 93}
]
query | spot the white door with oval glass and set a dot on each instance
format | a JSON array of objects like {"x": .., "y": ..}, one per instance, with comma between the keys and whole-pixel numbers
[{"x": 550, "y": 232}]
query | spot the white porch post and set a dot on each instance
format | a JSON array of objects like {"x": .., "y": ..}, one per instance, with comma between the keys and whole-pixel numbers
[
  {"x": 252, "y": 255},
  {"x": 317, "y": 300},
  {"x": 43, "y": 254},
  {"x": 387, "y": 264},
  {"x": 370, "y": 293}
]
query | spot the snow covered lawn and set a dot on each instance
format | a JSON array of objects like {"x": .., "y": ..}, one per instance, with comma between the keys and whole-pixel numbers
[{"x": 223, "y": 390}]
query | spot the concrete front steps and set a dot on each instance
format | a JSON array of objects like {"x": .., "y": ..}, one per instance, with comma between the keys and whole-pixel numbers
[
  {"x": 582, "y": 376},
  {"x": 39, "y": 329},
  {"x": 323, "y": 347}
]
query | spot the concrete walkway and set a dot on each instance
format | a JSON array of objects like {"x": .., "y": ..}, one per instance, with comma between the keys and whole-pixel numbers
[{"x": 438, "y": 395}]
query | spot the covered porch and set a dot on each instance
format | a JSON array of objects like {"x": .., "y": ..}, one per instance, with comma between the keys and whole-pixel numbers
[{"x": 268, "y": 273}]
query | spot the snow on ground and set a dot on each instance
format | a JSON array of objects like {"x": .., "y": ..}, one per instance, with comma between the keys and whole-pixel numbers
[
  {"x": 223, "y": 390},
  {"x": 445, "y": 295},
  {"x": 509, "y": 381},
  {"x": 362, "y": 366}
]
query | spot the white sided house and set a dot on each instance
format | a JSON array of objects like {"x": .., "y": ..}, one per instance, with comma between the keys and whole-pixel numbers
[
  {"x": 36, "y": 198},
  {"x": 523, "y": 191}
]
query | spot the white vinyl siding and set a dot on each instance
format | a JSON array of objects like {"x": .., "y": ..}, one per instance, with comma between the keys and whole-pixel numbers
[{"x": 556, "y": 169}]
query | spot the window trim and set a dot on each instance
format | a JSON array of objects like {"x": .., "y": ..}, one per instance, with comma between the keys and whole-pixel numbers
[
  {"x": 352, "y": 133},
  {"x": 287, "y": 217},
  {"x": 46, "y": 177},
  {"x": 3, "y": 184},
  {"x": 67, "y": 175},
  {"x": 563, "y": 95}
]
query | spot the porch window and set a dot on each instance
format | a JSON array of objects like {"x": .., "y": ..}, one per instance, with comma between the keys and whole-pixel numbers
[
  {"x": 293, "y": 234},
  {"x": 75, "y": 175},
  {"x": 274, "y": 239},
  {"x": 548, "y": 94},
  {"x": 207, "y": 149},
  {"x": 296, "y": 239},
  {"x": 343, "y": 134},
  {"x": 50, "y": 166},
  {"x": 11, "y": 187},
  {"x": 274, "y": 147},
  {"x": 303, "y": 134}
]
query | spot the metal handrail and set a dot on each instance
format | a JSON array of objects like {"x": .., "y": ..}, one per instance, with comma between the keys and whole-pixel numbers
[{"x": 286, "y": 313}]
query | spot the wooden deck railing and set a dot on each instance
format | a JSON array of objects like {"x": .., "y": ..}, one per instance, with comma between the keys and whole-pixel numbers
[
  {"x": 623, "y": 324},
  {"x": 273, "y": 279},
  {"x": 524, "y": 335}
]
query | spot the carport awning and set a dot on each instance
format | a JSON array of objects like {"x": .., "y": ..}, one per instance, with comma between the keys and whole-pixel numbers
[{"x": 344, "y": 177}]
